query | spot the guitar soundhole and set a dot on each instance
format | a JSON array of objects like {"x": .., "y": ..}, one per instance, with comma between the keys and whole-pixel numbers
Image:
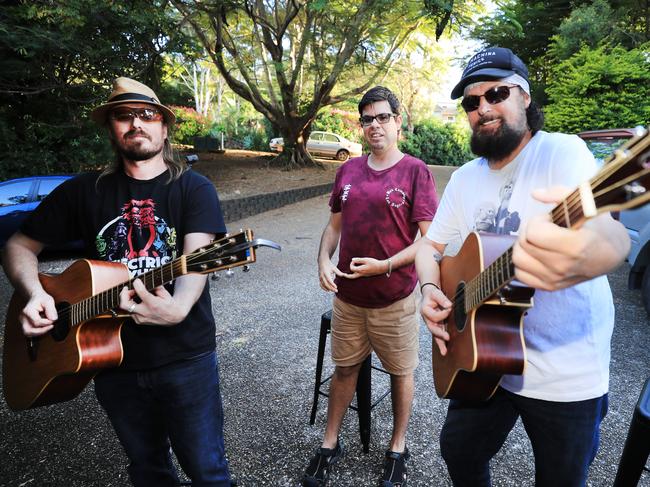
[
  {"x": 62, "y": 325},
  {"x": 459, "y": 307}
]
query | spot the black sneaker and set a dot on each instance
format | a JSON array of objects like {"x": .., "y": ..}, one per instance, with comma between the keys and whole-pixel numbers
[
  {"x": 395, "y": 469},
  {"x": 318, "y": 471}
]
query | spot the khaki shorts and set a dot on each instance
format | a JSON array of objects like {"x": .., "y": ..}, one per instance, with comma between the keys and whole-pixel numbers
[{"x": 392, "y": 332}]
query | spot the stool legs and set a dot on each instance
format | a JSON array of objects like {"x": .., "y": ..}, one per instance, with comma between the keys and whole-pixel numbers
[
  {"x": 325, "y": 324},
  {"x": 363, "y": 403}
]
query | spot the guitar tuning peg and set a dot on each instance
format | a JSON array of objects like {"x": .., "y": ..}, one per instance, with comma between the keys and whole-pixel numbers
[
  {"x": 246, "y": 268},
  {"x": 215, "y": 276},
  {"x": 229, "y": 273}
]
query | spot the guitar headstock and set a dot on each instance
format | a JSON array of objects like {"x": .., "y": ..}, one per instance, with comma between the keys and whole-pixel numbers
[
  {"x": 233, "y": 250},
  {"x": 624, "y": 180}
]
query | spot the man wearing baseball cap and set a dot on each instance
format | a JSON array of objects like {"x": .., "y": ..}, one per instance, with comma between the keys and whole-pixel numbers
[
  {"x": 143, "y": 211},
  {"x": 562, "y": 396}
]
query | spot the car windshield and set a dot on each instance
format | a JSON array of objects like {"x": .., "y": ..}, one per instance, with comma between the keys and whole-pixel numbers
[{"x": 603, "y": 148}]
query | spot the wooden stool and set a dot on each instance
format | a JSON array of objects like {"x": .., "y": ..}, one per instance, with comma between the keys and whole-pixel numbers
[{"x": 364, "y": 402}]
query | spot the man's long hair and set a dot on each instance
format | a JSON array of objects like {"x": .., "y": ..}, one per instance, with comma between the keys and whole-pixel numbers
[{"x": 534, "y": 117}]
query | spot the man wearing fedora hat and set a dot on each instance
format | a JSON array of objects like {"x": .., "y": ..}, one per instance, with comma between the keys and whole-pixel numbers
[
  {"x": 562, "y": 396},
  {"x": 144, "y": 210}
]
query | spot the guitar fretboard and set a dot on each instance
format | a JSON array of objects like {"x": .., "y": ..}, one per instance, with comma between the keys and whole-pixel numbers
[{"x": 105, "y": 301}]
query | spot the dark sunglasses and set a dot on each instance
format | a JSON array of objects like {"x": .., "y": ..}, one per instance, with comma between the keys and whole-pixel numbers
[
  {"x": 144, "y": 114},
  {"x": 492, "y": 96},
  {"x": 366, "y": 120}
]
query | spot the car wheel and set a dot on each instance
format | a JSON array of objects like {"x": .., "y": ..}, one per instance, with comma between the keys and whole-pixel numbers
[
  {"x": 645, "y": 290},
  {"x": 342, "y": 155}
]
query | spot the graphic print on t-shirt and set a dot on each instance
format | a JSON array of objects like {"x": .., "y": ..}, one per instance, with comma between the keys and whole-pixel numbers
[
  {"x": 137, "y": 238},
  {"x": 488, "y": 218}
]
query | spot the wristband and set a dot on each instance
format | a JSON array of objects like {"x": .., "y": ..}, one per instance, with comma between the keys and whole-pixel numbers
[
  {"x": 430, "y": 284},
  {"x": 390, "y": 267}
]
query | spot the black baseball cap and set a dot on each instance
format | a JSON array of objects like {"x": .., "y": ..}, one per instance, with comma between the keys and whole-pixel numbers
[{"x": 490, "y": 64}]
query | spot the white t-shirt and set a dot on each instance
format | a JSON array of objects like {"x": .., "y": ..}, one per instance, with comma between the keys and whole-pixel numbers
[{"x": 567, "y": 332}]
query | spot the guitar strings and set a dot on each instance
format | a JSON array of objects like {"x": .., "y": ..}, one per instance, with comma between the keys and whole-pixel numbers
[{"x": 112, "y": 294}]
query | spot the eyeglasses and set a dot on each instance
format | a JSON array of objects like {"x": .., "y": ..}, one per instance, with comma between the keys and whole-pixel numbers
[
  {"x": 492, "y": 96},
  {"x": 144, "y": 114},
  {"x": 367, "y": 120}
]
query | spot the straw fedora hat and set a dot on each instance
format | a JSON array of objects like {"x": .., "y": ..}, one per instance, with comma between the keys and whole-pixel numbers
[{"x": 127, "y": 90}]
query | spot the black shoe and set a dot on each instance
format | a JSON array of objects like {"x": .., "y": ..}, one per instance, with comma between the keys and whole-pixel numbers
[
  {"x": 318, "y": 471},
  {"x": 395, "y": 469}
]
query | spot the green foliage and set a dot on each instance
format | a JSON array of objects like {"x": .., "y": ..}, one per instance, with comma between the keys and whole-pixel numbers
[
  {"x": 340, "y": 122},
  {"x": 189, "y": 124},
  {"x": 57, "y": 62},
  {"x": 586, "y": 26},
  {"x": 600, "y": 88},
  {"x": 438, "y": 143}
]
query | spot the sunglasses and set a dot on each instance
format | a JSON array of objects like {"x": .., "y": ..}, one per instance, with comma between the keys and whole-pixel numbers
[
  {"x": 367, "y": 120},
  {"x": 492, "y": 96},
  {"x": 144, "y": 114}
]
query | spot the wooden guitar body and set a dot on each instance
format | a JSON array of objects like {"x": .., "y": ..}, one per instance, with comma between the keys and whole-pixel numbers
[
  {"x": 486, "y": 341},
  {"x": 57, "y": 366}
]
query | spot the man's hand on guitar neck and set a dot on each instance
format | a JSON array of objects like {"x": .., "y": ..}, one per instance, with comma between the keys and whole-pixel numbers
[{"x": 550, "y": 257}]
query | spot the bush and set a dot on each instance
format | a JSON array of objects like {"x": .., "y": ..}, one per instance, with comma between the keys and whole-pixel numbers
[
  {"x": 340, "y": 122},
  {"x": 602, "y": 88},
  {"x": 438, "y": 143},
  {"x": 189, "y": 124}
]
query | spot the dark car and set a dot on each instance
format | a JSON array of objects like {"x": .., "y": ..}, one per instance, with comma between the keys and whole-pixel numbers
[
  {"x": 19, "y": 197},
  {"x": 637, "y": 221},
  {"x": 602, "y": 143}
]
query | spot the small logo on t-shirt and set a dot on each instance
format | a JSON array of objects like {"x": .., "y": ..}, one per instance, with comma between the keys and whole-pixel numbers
[
  {"x": 346, "y": 190},
  {"x": 395, "y": 197}
]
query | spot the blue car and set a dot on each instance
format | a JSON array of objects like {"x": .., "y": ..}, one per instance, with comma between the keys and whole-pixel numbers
[{"x": 19, "y": 197}]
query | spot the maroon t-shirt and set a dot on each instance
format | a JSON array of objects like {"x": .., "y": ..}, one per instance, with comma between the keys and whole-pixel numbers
[{"x": 380, "y": 211}]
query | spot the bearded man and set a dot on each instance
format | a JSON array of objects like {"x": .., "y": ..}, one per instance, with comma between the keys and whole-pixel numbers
[
  {"x": 562, "y": 396},
  {"x": 166, "y": 391}
]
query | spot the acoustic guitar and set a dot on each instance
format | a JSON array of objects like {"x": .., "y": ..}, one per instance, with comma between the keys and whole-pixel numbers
[
  {"x": 58, "y": 365},
  {"x": 486, "y": 321}
]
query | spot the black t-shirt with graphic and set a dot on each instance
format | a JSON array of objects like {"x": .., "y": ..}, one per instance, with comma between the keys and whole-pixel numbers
[{"x": 141, "y": 224}]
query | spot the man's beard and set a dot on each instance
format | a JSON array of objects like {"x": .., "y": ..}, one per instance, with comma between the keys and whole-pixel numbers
[
  {"x": 497, "y": 145},
  {"x": 138, "y": 153}
]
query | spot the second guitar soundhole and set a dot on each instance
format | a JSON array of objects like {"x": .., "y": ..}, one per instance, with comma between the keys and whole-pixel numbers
[
  {"x": 62, "y": 325},
  {"x": 459, "y": 307}
]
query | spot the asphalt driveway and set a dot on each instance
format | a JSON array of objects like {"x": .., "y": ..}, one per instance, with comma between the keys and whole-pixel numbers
[{"x": 268, "y": 321}]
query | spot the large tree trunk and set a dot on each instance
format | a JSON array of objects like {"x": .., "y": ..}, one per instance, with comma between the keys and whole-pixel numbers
[{"x": 294, "y": 153}]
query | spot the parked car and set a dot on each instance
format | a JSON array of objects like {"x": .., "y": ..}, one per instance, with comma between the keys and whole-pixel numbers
[
  {"x": 19, "y": 197},
  {"x": 325, "y": 144},
  {"x": 637, "y": 221}
]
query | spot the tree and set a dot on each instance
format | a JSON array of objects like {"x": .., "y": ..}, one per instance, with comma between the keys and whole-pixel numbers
[
  {"x": 286, "y": 57},
  {"x": 57, "y": 61},
  {"x": 600, "y": 88}
]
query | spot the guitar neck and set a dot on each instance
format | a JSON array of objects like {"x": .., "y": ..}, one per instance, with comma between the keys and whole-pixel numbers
[{"x": 105, "y": 301}]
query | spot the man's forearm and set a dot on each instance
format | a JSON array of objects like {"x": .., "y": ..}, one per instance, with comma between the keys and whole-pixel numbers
[
  {"x": 20, "y": 263},
  {"x": 610, "y": 247},
  {"x": 328, "y": 243}
]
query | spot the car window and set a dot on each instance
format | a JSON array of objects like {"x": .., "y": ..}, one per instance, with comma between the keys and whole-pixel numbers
[
  {"x": 46, "y": 187},
  {"x": 316, "y": 136},
  {"x": 603, "y": 148},
  {"x": 330, "y": 138},
  {"x": 15, "y": 193}
]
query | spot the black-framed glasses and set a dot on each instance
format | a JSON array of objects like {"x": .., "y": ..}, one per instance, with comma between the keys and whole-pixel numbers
[
  {"x": 126, "y": 114},
  {"x": 492, "y": 96},
  {"x": 366, "y": 120}
]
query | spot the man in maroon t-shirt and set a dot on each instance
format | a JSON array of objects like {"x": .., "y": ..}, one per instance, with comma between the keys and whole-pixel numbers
[{"x": 378, "y": 203}]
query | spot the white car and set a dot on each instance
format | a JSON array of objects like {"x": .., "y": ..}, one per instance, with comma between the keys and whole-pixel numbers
[{"x": 325, "y": 144}]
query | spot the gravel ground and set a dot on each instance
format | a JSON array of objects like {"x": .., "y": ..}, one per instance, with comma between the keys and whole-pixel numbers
[{"x": 268, "y": 322}]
